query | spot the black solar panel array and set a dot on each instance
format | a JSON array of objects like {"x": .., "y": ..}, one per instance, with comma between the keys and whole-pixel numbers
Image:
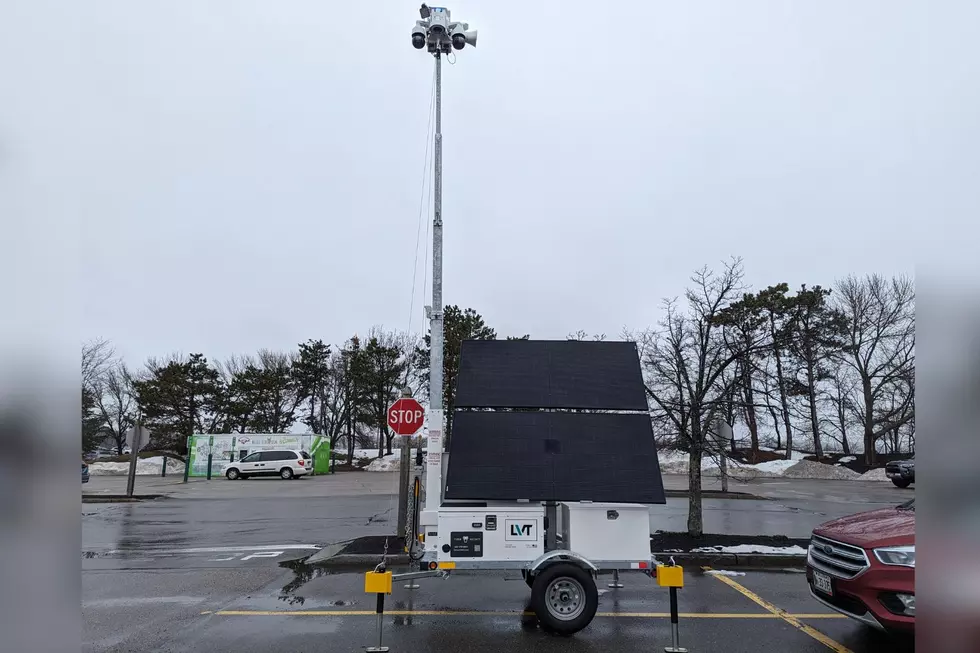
[
  {"x": 539, "y": 453},
  {"x": 550, "y": 374}
]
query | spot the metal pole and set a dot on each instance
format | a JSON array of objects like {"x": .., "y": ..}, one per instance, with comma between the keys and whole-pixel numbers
[
  {"x": 615, "y": 584},
  {"x": 164, "y": 472},
  {"x": 187, "y": 460},
  {"x": 380, "y": 648},
  {"x": 403, "y": 476},
  {"x": 675, "y": 643},
  {"x": 134, "y": 451},
  {"x": 435, "y": 324}
]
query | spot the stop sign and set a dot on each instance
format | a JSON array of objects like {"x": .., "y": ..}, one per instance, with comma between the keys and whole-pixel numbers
[{"x": 405, "y": 416}]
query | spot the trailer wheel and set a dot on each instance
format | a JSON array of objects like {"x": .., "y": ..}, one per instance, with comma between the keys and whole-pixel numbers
[{"x": 564, "y": 597}]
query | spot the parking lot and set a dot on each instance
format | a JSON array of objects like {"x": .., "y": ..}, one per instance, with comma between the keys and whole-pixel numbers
[
  {"x": 218, "y": 566},
  {"x": 215, "y": 601}
]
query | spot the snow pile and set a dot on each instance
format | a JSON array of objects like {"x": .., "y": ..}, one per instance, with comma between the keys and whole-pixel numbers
[
  {"x": 723, "y": 572},
  {"x": 774, "y": 467},
  {"x": 877, "y": 474},
  {"x": 847, "y": 459},
  {"x": 812, "y": 469},
  {"x": 385, "y": 464},
  {"x": 797, "y": 455},
  {"x": 753, "y": 548},
  {"x": 676, "y": 462},
  {"x": 144, "y": 466}
]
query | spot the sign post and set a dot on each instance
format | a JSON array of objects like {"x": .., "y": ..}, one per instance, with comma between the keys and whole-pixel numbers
[
  {"x": 404, "y": 418},
  {"x": 137, "y": 437}
]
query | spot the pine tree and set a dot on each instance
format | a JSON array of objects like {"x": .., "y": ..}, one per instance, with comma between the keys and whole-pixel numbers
[
  {"x": 458, "y": 325},
  {"x": 818, "y": 333}
]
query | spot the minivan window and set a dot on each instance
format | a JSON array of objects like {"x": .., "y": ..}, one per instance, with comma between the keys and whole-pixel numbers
[
  {"x": 266, "y": 456},
  {"x": 251, "y": 458},
  {"x": 304, "y": 454}
]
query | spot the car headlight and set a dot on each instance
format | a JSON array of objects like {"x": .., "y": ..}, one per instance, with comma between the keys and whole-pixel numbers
[{"x": 900, "y": 556}]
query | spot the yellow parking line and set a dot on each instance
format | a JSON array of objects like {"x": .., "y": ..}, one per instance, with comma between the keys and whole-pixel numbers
[
  {"x": 487, "y": 613},
  {"x": 793, "y": 620}
]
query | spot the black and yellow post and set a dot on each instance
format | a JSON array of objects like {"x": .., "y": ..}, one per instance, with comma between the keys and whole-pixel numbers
[
  {"x": 672, "y": 577},
  {"x": 378, "y": 582}
]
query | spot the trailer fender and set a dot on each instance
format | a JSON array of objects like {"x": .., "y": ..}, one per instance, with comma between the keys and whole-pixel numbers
[{"x": 552, "y": 557}]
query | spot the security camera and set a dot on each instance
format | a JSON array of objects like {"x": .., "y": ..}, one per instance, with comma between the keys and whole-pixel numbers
[
  {"x": 461, "y": 37},
  {"x": 418, "y": 36},
  {"x": 438, "y": 20}
]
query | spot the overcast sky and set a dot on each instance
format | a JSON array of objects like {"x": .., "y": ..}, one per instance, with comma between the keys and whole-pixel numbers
[{"x": 247, "y": 173}]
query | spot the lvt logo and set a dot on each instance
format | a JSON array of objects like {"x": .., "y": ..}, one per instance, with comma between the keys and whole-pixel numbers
[{"x": 519, "y": 529}]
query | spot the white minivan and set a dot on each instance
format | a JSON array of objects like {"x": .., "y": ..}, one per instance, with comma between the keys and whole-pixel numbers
[{"x": 285, "y": 464}]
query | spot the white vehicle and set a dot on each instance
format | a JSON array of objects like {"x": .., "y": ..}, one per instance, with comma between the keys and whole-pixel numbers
[{"x": 284, "y": 463}]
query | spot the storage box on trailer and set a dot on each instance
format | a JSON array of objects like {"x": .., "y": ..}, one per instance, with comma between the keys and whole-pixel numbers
[
  {"x": 491, "y": 534},
  {"x": 606, "y": 531}
]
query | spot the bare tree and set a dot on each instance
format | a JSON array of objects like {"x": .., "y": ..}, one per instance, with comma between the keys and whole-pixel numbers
[
  {"x": 97, "y": 358},
  {"x": 116, "y": 402},
  {"x": 881, "y": 351},
  {"x": 686, "y": 362}
]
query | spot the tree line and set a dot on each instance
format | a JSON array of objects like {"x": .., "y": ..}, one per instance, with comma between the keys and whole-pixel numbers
[
  {"x": 814, "y": 369},
  {"x": 339, "y": 391},
  {"x": 809, "y": 368}
]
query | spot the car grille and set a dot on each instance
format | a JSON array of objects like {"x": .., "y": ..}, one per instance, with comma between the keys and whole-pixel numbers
[{"x": 836, "y": 558}]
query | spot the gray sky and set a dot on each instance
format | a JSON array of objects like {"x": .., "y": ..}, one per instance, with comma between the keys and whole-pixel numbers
[{"x": 245, "y": 174}]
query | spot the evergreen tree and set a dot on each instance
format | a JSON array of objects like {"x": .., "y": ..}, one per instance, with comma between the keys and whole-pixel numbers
[
  {"x": 379, "y": 378},
  {"x": 458, "y": 325},
  {"x": 92, "y": 422},
  {"x": 181, "y": 398},
  {"x": 818, "y": 333},
  {"x": 312, "y": 370}
]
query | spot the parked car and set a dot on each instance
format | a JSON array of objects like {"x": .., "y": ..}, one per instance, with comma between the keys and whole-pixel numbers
[
  {"x": 863, "y": 566},
  {"x": 901, "y": 472},
  {"x": 283, "y": 463},
  {"x": 84, "y": 472}
]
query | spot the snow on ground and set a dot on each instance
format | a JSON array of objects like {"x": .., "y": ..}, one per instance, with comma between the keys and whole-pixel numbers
[
  {"x": 386, "y": 464},
  {"x": 847, "y": 459},
  {"x": 723, "y": 572},
  {"x": 797, "y": 455},
  {"x": 144, "y": 466},
  {"x": 877, "y": 474},
  {"x": 753, "y": 548}
]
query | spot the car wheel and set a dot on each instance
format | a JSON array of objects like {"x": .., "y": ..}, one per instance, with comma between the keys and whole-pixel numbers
[
  {"x": 564, "y": 598},
  {"x": 901, "y": 482},
  {"x": 285, "y": 473},
  {"x": 233, "y": 474}
]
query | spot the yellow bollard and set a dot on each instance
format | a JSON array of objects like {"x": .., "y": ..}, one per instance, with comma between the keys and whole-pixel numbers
[{"x": 672, "y": 576}]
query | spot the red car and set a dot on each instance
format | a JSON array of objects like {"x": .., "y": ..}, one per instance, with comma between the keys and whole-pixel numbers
[{"x": 863, "y": 566}]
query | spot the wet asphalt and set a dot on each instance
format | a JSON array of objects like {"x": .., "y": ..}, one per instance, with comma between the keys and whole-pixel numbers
[{"x": 223, "y": 572}]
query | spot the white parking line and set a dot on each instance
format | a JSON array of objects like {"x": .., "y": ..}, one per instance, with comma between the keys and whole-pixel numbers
[{"x": 221, "y": 549}]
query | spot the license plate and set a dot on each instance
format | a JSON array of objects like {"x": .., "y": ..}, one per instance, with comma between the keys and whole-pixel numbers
[{"x": 822, "y": 583}]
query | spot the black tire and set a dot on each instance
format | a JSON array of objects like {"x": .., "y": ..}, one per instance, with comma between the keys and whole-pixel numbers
[
  {"x": 564, "y": 598},
  {"x": 285, "y": 473},
  {"x": 233, "y": 474},
  {"x": 901, "y": 482}
]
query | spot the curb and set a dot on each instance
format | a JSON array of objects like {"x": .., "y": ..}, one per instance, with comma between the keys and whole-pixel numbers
[
  {"x": 715, "y": 494},
  {"x": 726, "y": 560},
  {"x": 119, "y": 498}
]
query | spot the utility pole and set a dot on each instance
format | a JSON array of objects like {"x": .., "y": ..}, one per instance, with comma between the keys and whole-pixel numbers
[{"x": 439, "y": 36}]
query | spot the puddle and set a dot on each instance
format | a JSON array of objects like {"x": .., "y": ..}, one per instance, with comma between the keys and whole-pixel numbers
[{"x": 302, "y": 574}]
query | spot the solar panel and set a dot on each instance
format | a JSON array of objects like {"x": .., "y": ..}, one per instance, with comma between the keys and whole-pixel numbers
[
  {"x": 553, "y": 456},
  {"x": 550, "y": 374}
]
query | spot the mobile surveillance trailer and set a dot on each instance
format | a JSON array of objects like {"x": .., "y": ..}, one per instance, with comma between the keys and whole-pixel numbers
[{"x": 550, "y": 471}]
